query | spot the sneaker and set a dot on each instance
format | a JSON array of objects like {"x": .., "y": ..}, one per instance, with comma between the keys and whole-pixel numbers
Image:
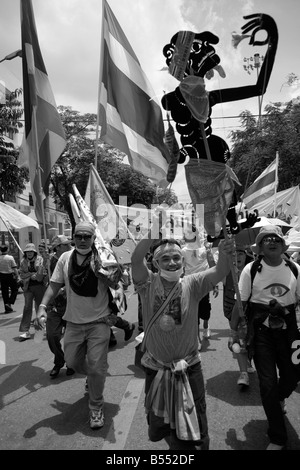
[
  {"x": 243, "y": 379},
  {"x": 96, "y": 419},
  {"x": 24, "y": 336},
  {"x": 272, "y": 446},
  {"x": 8, "y": 308},
  {"x": 283, "y": 407},
  {"x": 206, "y": 333},
  {"x": 129, "y": 332}
]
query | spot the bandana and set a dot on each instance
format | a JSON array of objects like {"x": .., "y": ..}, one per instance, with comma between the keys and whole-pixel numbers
[
  {"x": 83, "y": 281},
  {"x": 85, "y": 227},
  {"x": 162, "y": 249},
  {"x": 193, "y": 91}
]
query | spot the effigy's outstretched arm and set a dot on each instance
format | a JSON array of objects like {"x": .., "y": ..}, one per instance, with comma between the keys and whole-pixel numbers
[{"x": 258, "y": 22}]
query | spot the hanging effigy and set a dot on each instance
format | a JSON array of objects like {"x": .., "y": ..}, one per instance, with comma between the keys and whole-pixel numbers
[{"x": 190, "y": 58}]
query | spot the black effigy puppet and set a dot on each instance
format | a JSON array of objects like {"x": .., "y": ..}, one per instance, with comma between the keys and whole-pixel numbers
[{"x": 191, "y": 57}]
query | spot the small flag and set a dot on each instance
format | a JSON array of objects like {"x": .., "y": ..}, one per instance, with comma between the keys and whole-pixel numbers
[
  {"x": 44, "y": 137},
  {"x": 129, "y": 115},
  {"x": 263, "y": 187},
  {"x": 13, "y": 55}
]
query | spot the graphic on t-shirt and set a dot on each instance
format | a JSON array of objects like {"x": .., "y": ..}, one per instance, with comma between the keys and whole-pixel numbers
[
  {"x": 277, "y": 290},
  {"x": 173, "y": 309}
]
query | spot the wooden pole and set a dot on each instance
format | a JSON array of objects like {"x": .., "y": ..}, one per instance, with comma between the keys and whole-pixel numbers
[{"x": 233, "y": 266}]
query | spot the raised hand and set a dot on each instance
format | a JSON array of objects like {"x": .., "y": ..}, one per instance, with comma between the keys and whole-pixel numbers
[{"x": 259, "y": 22}]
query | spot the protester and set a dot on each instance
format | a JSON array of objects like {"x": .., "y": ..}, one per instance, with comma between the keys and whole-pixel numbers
[
  {"x": 271, "y": 327},
  {"x": 56, "y": 309},
  {"x": 42, "y": 250},
  {"x": 121, "y": 323},
  {"x": 8, "y": 278},
  {"x": 171, "y": 360},
  {"x": 33, "y": 273},
  {"x": 87, "y": 314},
  {"x": 229, "y": 299}
]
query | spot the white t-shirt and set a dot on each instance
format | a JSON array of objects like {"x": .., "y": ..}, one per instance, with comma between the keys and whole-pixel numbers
[
  {"x": 272, "y": 282},
  {"x": 7, "y": 264},
  {"x": 196, "y": 259},
  {"x": 80, "y": 309}
]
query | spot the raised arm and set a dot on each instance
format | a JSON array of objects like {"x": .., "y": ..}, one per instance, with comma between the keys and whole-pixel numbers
[
  {"x": 257, "y": 22},
  {"x": 221, "y": 269}
]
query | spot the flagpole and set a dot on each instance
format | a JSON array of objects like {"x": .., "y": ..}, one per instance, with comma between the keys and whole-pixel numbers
[
  {"x": 100, "y": 78},
  {"x": 11, "y": 234},
  {"x": 276, "y": 183},
  {"x": 40, "y": 193}
]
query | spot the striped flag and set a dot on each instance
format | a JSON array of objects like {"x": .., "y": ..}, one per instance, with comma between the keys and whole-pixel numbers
[
  {"x": 263, "y": 187},
  {"x": 44, "y": 137},
  {"x": 129, "y": 115}
]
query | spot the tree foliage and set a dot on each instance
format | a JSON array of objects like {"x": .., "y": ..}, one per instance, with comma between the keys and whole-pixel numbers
[
  {"x": 12, "y": 178},
  {"x": 119, "y": 178},
  {"x": 256, "y": 143}
]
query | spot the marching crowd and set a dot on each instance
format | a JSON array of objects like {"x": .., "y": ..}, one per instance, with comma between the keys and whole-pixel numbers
[{"x": 72, "y": 297}]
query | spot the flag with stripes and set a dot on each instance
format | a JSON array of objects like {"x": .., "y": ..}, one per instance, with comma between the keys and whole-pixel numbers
[
  {"x": 129, "y": 115},
  {"x": 44, "y": 137},
  {"x": 263, "y": 187}
]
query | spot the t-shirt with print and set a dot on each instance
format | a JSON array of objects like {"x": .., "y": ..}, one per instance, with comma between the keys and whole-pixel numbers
[{"x": 273, "y": 282}]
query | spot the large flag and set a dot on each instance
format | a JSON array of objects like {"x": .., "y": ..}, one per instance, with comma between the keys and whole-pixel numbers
[
  {"x": 263, "y": 187},
  {"x": 110, "y": 223},
  {"x": 129, "y": 115},
  {"x": 44, "y": 137}
]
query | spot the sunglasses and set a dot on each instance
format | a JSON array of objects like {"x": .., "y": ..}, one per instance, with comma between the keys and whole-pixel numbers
[
  {"x": 82, "y": 237},
  {"x": 268, "y": 240}
]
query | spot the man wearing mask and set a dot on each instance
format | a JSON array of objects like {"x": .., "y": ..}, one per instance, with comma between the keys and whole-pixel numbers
[
  {"x": 171, "y": 360},
  {"x": 87, "y": 329}
]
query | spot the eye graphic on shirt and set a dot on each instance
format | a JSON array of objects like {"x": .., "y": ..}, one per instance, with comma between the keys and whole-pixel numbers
[{"x": 277, "y": 290}]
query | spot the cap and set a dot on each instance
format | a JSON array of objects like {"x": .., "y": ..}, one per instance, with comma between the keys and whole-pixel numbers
[
  {"x": 265, "y": 231},
  {"x": 60, "y": 240},
  {"x": 30, "y": 247},
  {"x": 85, "y": 227}
]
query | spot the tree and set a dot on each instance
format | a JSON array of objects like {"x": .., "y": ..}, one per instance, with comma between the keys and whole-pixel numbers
[
  {"x": 12, "y": 178},
  {"x": 73, "y": 167},
  {"x": 255, "y": 146}
]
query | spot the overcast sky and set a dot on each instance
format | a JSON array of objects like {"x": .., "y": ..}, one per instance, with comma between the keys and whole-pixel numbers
[{"x": 69, "y": 37}]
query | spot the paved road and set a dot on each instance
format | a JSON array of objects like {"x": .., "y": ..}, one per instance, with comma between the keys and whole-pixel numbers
[{"x": 37, "y": 413}]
